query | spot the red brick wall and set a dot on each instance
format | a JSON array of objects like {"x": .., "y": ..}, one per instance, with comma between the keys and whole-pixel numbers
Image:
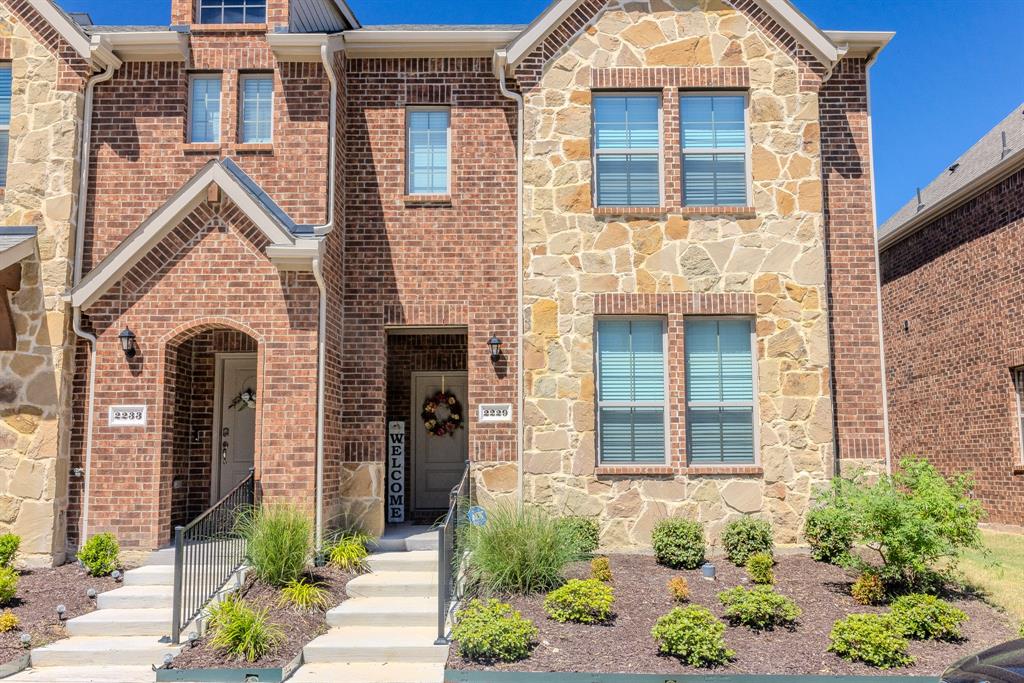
[
  {"x": 858, "y": 396},
  {"x": 209, "y": 274},
  {"x": 959, "y": 287},
  {"x": 444, "y": 263}
]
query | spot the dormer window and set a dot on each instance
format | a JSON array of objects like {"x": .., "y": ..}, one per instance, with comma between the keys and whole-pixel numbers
[{"x": 232, "y": 11}]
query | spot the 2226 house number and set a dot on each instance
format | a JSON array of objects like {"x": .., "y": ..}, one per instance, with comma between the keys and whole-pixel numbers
[{"x": 127, "y": 416}]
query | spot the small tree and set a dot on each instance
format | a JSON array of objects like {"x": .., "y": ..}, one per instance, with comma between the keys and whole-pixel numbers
[{"x": 910, "y": 520}]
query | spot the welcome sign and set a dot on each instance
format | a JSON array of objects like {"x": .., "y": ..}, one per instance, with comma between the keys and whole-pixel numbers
[{"x": 396, "y": 472}]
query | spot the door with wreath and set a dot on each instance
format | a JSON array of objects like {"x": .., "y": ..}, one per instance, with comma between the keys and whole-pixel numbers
[{"x": 438, "y": 459}]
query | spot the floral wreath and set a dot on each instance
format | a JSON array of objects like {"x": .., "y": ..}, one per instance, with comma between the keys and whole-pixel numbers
[
  {"x": 442, "y": 426},
  {"x": 245, "y": 399}
]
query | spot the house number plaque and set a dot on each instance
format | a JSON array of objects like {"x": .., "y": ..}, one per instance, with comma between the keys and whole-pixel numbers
[
  {"x": 127, "y": 416},
  {"x": 396, "y": 472},
  {"x": 494, "y": 412}
]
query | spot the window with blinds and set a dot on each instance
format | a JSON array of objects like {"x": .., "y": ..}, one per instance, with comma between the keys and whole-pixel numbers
[
  {"x": 714, "y": 139},
  {"x": 631, "y": 418},
  {"x": 5, "y": 119},
  {"x": 1018, "y": 382},
  {"x": 428, "y": 151},
  {"x": 257, "y": 115},
  {"x": 720, "y": 391},
  {"x": 204, "y": 104},
  {"x": 627, "y": 149}
]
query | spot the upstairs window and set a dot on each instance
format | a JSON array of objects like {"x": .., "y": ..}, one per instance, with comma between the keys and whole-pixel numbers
[
  {"x": 627, "y": 150},
  {"x": 714, "y": 137},
  {"x": 631, "y": 391},
  {"x": 5, "y": 119},
  {"x": 232, "y": 11},
  {"x": 720, "y": 391},
  {"x": 204, "y": 104},
  {"x": 1018, "y": 383},
  {"x": 428, "y": 151},
  {"x": 257, "y": 104}
]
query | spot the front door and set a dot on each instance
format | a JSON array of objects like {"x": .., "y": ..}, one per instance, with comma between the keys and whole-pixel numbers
[
  {"x": 235, "y": 435},
  {"x": 437, "y": 461}
]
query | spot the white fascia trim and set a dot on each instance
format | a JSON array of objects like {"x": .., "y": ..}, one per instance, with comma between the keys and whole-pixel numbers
[
  {"x": 297, "y": 256},
  {"x": 18, "y": 252},
  {"x": 984, "y": 182},
  {"x": 67, "y": 28},
  {"x": 347, "y": 12},
  {"x": 531, "y": 36},
  {"x": 861, "y": 43},
  {"x": 304, "y": 47},
  {"x": 365, "y": 43},
  {"x": 149, "y": 46},
  {"x": 112, "y": 268}
]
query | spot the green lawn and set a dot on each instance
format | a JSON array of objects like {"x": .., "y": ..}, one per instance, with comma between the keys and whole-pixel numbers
[{"x": 1000, "y": 574}]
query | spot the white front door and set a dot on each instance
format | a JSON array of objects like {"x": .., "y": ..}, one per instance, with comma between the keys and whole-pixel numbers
[
  {"x": 235, "y": 435},
  {"x": 437, "y": 461}
]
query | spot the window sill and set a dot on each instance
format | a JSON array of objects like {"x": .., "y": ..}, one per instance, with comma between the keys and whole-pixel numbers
[
  {"x": 698, "y": 470},
  {"x": 734, "y": 211},
  {"x": 414, "y": 199},
  {"x": 224, "y": 28},
  {"x": 604, "y": 470},
  {"x": 201, "y": 148},
  {"x": 692, "y": 471},
  {"x": 1018, "y": 469},
  {"x": 630, "y": 210},
  {"x": 254, "y": 147}
]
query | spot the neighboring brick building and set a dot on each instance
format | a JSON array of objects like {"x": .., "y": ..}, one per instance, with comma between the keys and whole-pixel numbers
[
  {"x": 952, "y": 291},
  {"x": 697, "y": 296}
]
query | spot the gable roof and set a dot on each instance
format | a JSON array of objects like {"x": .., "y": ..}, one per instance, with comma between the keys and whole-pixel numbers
[
  {"x": 287, "y": 249},
  {"x": 996, "y": 155},
  {"x": 783, "y": 11},
  {"x": 89, "y": 49}
]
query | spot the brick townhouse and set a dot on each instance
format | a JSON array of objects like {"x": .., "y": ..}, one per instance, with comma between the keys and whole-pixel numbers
[
  {"x": 952, "y": 291},
  {"x": 621, "y": 260}
]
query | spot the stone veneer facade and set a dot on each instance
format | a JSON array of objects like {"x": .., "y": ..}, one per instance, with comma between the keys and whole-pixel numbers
[
  {"x": 766, "y": 261},
  {"x": 46, "y": 110}
]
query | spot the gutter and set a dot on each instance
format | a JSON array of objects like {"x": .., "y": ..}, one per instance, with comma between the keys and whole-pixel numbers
[
  {"x": 441, "y": 43},
  {"x": 500, "y": 63}
]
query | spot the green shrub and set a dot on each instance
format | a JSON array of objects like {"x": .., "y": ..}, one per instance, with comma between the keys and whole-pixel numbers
[
  {"x": 915, "y": 522},
  {"x": 100, "y": 554},
  {"x": 760, "y": 608},
  {"x": 242, "y": 632},
  {"x": 279, "y": 542},
  {"x": 493, "y": 632},
  {"x": 926, "y": 617},
  {"x": 868, "y": 589},
  {"x": 601, "y": 569},
  {"x": 9, "y": 621},
  {"x": 759, "y": 568},
  {"x": 870, "y": 638},
  {"x": 305, "y": 595},
  {"x": 584, "y": 602},
  {"x": 679, "y": 543},
  {"x": 746, "y": 536},
  {"x": 581, "y": 532},
  {"x": 693, "y": 635},
  {"x": 829, "y": 532},
  {"x": 521, "y": 549},
  {"x": 679, "y": 589},
  {"x": 347, "y": 550},
  {"x": 8, "y": 584},
  {"x": 9, "y": 544}
]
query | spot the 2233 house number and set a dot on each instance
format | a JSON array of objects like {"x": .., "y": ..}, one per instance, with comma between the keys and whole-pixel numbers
[{"x": 127, "y": 416}]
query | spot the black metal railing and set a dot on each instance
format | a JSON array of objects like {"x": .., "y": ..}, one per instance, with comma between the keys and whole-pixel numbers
[
  {"x": 207, "y": 551},
  {"x": 449, "y": 557}
]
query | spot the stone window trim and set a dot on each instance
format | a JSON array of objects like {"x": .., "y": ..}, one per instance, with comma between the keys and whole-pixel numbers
[{"x": 675, "y": 307}]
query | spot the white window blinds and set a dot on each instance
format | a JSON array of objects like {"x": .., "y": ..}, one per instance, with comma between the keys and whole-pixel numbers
[
  {"x": 627, "y": 150},
  {"x": 714, "y": 138}
]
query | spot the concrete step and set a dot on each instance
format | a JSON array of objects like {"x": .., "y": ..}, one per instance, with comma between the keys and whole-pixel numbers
[
  {"x": 385, "y": 612},
  {"x": 85, "y": 674},
  {"x": 122, "y": 622},
  {"x": 376, "y": 644},
  {"x": 407, "y": 561},
  {"x": 109, "y": 651},
  {"x": 164, "y": 556},
  {"x": 370, "y": 672},
  {"x": 150, "y": 575},
  {"x": 400, "y": 538},
  {"x": 393, "y": 585},
  {"x": 131, "y": 597}
]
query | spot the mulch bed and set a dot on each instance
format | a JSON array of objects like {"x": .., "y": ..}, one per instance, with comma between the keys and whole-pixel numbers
[
  {"x": 299, "y": 626},
  {"x": 823, "y": 592},
  {"x": 35, "y": 604}
]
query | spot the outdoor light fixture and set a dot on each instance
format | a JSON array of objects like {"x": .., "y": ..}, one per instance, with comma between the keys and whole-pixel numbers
[
  {"x": 91, "y": 593},
  {"x": 193, "y": 639},
  {"x": 61, "y": 609},
  {"x": 495, "y": 344},
  {"x": 26, "y": 639},
  {"x": 116, "y": 574},
  {"x": 127, "y": 338}
]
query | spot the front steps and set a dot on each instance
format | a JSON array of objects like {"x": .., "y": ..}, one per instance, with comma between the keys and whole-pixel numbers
[
  {"x": 128, "y": 632},
  {"x": 385, "y": 631}
]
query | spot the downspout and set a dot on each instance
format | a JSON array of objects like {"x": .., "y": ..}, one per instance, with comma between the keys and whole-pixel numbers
[
  {"x": 80, "y": 216},
  {"x": 500, "y": 62},
  {"x": 326, "y": 55}
]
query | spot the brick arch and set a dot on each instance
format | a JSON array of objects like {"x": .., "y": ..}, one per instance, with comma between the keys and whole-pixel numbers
[{"x": 185, "y": 331}]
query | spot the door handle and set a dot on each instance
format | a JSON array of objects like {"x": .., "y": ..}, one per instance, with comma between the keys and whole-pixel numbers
[{"x": 224, "y": 444}]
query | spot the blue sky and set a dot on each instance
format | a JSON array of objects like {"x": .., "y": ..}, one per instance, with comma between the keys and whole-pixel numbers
[{"x": 954, "y": 70}]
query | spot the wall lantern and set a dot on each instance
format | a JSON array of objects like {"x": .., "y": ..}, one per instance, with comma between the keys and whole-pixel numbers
[
  {"x": 127, "y": 338},
  {"x": 495, "y": 345}
]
